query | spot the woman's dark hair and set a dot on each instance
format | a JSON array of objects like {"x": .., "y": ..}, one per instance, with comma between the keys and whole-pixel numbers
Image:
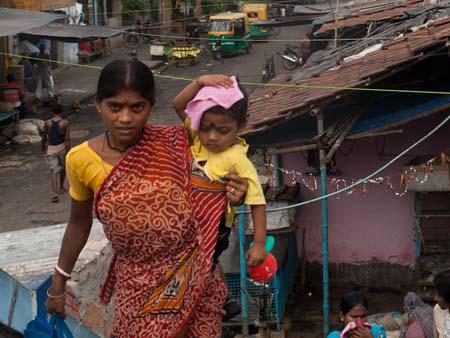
[
  {"x": 442, "y": 285},
  {"x": 121, "y": 75},
  {"x": 238, "y": 111},
  {"x": 352, "y": 299}
]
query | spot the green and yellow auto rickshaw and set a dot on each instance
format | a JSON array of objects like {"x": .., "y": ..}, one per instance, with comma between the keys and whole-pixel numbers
[
  {"x": 257, "y": 12},
  {"x": 228, "y": 33}
]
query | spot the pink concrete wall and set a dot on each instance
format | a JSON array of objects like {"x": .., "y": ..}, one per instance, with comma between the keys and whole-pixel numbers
[{"x": 376, "y": 227}]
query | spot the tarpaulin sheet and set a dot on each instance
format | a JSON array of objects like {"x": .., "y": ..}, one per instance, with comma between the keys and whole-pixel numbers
[
  {"x": 73, "y": 32},
  {"x": 14, "y": 21}
]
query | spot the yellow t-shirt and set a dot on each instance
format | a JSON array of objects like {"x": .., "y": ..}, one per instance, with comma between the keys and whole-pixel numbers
[
  {"x": 219, "y": 164},
  {"x": 85, "y": 171}
]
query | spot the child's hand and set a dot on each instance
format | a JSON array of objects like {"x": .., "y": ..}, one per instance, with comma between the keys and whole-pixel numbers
[
  {"x": 215, "y": 80},
  {"x": 256, "y": 255}
]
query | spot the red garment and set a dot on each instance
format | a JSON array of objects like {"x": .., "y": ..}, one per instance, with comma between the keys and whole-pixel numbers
[
  {"x": 414, "y": 330},
  {"x": 163, "y": 226},
  {"x": 12, "y": 93}
]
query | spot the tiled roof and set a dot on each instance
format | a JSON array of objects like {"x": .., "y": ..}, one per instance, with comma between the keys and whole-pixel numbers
[
  {"x": 360, "y": 16},
  {"x": 273, "y": 104}
]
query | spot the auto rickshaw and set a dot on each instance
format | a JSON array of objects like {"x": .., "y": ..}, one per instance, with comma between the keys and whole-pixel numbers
[
  {"x": 257, "y": 12},
  {"x": 228, "y": 33}
]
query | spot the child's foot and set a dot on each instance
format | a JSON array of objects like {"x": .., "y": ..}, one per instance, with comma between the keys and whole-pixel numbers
[
  {"x": 232, "y": 309},
  {"x": 55, "y": 199}
]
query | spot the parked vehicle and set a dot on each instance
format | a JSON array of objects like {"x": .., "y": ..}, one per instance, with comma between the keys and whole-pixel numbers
[
  {"x": 292, "y": 57},
  {"x": 268, "y": 71},
  {"x": 228, "y": 33},
  {"x": 257, "y": 12}
]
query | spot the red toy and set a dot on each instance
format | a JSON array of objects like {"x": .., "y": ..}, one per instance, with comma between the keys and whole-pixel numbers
[{"x": 265, "y": 271}]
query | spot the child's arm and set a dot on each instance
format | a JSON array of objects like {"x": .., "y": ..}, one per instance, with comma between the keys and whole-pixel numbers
[
  {"x": 257, "y": 253},
  {"x": 188, "y": 93}
]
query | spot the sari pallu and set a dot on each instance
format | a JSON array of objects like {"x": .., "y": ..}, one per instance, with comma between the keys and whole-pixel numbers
[{"x": 163, "y": 231}]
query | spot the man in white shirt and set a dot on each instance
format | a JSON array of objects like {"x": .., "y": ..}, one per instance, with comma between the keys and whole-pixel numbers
[
  {"x": 441, "y": 310},
  {"x": 26, "y": 47}
]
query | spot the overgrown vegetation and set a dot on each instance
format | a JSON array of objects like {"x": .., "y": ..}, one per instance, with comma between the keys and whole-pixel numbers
[{"x": 133, "y": 7}]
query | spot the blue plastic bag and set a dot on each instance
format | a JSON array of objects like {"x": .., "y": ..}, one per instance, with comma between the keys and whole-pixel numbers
[{"x": 41, "y": 328}]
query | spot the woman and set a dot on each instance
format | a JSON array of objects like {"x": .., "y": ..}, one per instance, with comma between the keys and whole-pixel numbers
[
  {"x": 353, "y": 309},
  {"x": 420, "y": 318},
  {"x": 161, "y": 220}
]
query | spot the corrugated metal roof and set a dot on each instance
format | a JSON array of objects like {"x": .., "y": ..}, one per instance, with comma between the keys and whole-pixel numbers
[
  {"x": 360, "y": 16},
  {"x": 59, "y": 31},
  {"x": 275, "y": 104},
  {"x": 15, "y": 21}
]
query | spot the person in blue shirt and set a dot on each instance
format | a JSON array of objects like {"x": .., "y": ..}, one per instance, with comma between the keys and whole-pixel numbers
[{"x": 354, "y": 308}]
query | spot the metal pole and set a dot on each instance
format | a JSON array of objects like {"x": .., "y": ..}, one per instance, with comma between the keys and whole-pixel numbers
[
  {"x": 105, "y": 11},
  {"x": 95, "y": 12},
  {"x": 325, "y": 274},
  {"x": 243, "y": 264}
]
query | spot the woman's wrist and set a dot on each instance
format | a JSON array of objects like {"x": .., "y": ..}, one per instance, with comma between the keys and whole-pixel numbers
[{"x": 58, "y": 283}]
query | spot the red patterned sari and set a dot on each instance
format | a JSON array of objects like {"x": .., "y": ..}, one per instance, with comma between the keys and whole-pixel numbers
[{"x": 162, "y": 223}]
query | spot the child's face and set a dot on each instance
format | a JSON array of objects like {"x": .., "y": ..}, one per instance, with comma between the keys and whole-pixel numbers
[
  {"x": 441, "y": 302},
  {"x": 217, "y": 132}
]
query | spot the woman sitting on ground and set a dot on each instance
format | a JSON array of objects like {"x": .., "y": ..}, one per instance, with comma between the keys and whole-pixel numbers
[
  {"x": 420, "y": 318},
  {"x": 353, "y": 312}
]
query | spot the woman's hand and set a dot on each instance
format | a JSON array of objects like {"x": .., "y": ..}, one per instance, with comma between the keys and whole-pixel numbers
[
  {"x": 256, "y": 254},
  {"x": 361, "y": 332},
  {"x": 56, "y": 304},
  {"x": 215, "y": 80},
  {"x": 236, "y": 187}
]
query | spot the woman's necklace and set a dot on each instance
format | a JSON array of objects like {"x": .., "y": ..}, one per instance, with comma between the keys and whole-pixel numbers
[{"x": 118, "y": 149}]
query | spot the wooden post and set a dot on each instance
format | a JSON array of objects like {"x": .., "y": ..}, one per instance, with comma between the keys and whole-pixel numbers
[{"x": 336, "y": 18}]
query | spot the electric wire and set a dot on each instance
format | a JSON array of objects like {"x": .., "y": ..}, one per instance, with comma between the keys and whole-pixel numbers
[
  {"x": 363, "y": 180},
  {"x": 258, "y": 84}
]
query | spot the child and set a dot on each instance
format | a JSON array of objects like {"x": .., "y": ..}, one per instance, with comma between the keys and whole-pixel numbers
[
  {"x": 214, "y": 110},
  {"x": 441, "y": 310},
  {"x": 353, "y": 315}
]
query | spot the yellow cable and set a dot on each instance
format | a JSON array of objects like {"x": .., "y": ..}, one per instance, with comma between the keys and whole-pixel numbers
[{"x": 257, "y": 84}]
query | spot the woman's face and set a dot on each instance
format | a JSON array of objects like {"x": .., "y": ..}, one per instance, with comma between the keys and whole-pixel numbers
[
  {"x": 358, "y": 312},
  {"x": 124, "y": 115}
]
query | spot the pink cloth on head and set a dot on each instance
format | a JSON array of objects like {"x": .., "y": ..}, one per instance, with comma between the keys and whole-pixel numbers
[{"x": 209, "y": 97}]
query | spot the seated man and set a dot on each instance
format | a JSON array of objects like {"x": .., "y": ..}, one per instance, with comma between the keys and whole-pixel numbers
[{"x": 13, "y": 93}]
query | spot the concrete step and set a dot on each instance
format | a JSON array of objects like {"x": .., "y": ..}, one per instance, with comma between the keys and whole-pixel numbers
[{"x": 27, "y": 260}]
